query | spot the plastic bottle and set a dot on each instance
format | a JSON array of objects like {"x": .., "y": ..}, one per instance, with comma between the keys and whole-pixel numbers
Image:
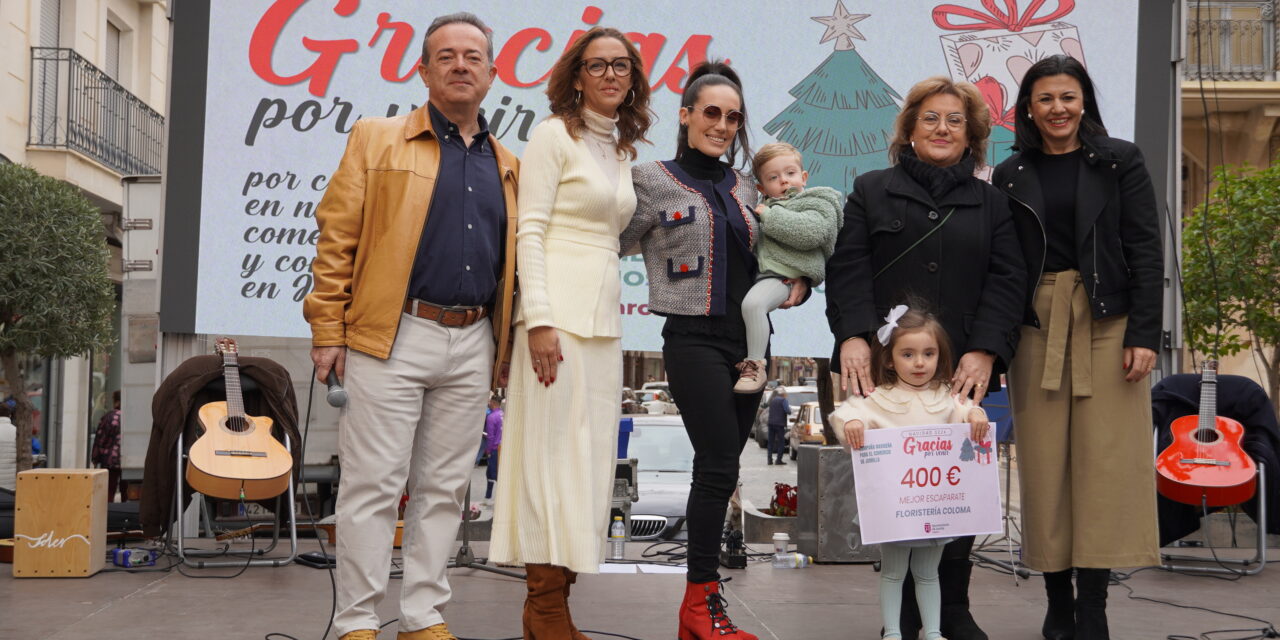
[
  {"x": 617, "y": 539},
  {"x": 791, "y": 561}
]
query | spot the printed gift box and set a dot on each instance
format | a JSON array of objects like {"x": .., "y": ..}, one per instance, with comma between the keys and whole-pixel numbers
[{"x": 993, "y": 48}]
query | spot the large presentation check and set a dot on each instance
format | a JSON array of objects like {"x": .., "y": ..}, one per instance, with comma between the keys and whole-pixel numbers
[{"x": 925, "y": 482}]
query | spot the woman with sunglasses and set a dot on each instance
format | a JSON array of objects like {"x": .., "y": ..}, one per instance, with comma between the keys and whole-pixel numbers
[
  {"x": 926, "y": 228},
  {"x": 695, "y": 226},
  {"x": 561, "y": 427}
]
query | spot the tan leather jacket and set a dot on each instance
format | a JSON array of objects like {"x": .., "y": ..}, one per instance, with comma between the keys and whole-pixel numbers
[{"x": 371, "y": 219}]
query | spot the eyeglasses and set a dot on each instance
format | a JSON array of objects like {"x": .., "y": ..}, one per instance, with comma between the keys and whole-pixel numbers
[
  {"x": 954, "y": 121},
  {"x": 713, "y": 113},
  {"x": 596, "y": 67}
]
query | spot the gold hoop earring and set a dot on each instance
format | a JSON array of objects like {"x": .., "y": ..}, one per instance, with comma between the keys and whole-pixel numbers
[
  {"x": 577, "y": 96},
  {"x": 631, "y": 98}
]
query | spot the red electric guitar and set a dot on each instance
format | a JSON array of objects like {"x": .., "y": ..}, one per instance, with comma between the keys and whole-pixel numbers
[{"x": 1205, "y": 462}]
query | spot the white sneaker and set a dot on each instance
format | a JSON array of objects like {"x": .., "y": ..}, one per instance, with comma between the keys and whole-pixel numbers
[{"x": 752, "y": 378}]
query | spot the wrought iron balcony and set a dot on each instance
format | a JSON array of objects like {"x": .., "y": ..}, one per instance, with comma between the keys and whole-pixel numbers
[
  {"x": 1231, "y": 49},
  {"x": 74, "y": 105}
]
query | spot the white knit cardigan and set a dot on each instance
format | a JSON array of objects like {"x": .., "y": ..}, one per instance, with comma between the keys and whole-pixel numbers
[{"x": 567, "y": 240}]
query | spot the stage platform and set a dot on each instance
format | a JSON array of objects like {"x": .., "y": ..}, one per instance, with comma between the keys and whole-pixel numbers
[{"x": 837, "y": 602}]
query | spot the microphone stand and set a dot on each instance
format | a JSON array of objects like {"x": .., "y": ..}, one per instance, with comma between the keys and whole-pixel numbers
[{"x": 466, "y": 558}]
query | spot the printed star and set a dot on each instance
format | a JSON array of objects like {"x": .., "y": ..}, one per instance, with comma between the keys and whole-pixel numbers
[{"x": 840, "y": 26}]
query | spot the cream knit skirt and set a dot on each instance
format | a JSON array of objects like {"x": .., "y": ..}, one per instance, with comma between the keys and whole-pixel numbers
[{"x": 559, "y": 449}]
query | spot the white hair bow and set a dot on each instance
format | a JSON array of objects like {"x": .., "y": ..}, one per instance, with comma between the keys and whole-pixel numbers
[{"x": 891, "y": 322}]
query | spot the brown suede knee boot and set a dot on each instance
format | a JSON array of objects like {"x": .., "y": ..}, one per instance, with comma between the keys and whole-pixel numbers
[
  {"x": 546, "y": 612},
  {"x": 570, "y": 578}
]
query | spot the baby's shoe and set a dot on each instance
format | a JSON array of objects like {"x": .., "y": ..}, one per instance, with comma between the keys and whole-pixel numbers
[{"x": 752, "y": 376}]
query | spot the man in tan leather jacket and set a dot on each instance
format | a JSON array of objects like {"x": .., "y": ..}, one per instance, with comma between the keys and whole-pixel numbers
[{"x": 414, "y": 275}]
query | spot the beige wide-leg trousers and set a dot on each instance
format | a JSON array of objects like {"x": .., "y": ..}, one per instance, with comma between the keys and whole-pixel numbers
[
  {"x": 414, "y": 419},
  {"x": 1086, "y": 458}
]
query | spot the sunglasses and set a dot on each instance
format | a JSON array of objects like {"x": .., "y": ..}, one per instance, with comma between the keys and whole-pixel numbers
[{"x": 713, "y": 113}]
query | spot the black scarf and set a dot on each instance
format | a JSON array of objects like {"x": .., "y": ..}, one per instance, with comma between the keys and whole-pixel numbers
[{"x": 938, "y": 181}]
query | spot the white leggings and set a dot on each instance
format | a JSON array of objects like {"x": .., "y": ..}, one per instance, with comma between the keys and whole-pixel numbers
[
  {"x": 894, "y": 559},
  {"x": 765, "y": 296}
]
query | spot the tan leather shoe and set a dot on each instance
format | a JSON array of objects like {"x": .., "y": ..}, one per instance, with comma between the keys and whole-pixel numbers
[
  {"x": 360, "y": 634},
  {"x": 433, "y": 632}
]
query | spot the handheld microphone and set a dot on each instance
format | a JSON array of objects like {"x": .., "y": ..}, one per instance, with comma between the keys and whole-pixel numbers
[{"x": 337, "y": 396}]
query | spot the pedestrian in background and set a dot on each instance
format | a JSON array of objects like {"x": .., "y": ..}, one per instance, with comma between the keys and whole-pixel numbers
[
  {"x": 8, "y": 450},
  {"x": 105, "y": 453},
  {"x": 492, "y": 442},
  {"x": 779, "y": 411}
]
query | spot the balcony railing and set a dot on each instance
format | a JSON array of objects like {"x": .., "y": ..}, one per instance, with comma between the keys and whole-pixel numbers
[
  {"x": 74, "y": 105},
  {"x": 1231, "y": 49}
]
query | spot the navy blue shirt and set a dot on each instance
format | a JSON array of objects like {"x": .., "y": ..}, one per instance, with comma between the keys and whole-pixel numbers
[{"x": 459, "y": 258}]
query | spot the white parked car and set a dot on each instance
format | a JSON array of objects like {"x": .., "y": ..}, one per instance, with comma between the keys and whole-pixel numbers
[
  {"x": 656, "y": 402},
  {"x": 664, "y": 459},
  {"x": 660, "y": 385}
]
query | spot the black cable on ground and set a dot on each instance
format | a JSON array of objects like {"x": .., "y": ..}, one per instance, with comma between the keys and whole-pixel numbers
[{"x": 1269, "y": 631}]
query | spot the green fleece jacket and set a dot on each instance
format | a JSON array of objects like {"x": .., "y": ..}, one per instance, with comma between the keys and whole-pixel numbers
[{"x": 798, "y": 233}]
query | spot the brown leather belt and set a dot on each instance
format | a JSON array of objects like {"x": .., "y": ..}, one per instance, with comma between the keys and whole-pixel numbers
[{"x": 447, "y": 316}]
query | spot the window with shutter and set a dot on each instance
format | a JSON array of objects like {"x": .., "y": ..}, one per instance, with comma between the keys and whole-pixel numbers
[
  {"x": 113, "y": 52},
  {"x": 50, "y": 22}
]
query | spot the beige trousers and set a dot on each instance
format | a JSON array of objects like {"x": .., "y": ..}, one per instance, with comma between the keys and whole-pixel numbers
[
  {"x": 1086, "y": 458},
  {"x": 415, "y": 420}
]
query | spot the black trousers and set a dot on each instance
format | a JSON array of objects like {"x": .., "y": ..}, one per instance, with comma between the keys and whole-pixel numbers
[
  {"x": 701, "y": 372},
  {"x": 777, "y": 439}
]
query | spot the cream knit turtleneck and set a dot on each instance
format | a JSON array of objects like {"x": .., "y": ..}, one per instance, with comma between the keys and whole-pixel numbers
[
  {"x": 599, "y": 137},
  {"x": 574, "y": 202}
]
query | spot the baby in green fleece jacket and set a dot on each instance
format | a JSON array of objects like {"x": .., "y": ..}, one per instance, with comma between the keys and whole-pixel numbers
[{"x": 798, "y": 229}]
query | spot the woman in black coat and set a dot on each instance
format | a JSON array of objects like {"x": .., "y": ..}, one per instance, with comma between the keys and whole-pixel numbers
[
  {"x": 1090, "y": 233},
  {"x": 927, "y": 229}
]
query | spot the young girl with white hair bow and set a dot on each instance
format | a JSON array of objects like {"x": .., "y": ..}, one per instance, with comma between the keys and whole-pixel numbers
[{"x": 910, "y": 364}]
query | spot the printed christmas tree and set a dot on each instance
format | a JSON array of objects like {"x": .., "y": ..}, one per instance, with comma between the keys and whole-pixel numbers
[
  {"x": 966, "y": 451},
  {"x": 842, "y": 118}
]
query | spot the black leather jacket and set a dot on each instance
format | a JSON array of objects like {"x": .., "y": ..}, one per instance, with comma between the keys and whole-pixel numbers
[{"x": 1118, "y": 243}]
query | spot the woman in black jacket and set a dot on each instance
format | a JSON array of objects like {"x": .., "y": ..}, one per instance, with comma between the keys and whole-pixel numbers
[
  {"x": 1087, "y": 221},
  {"x": 926, "y": 228}
]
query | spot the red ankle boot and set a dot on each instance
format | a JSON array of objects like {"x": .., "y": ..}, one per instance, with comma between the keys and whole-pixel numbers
[{"x": 703, "y": 617}]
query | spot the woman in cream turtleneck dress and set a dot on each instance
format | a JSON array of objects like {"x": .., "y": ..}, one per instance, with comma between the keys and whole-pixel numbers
[{"x": 559, "y": 446}]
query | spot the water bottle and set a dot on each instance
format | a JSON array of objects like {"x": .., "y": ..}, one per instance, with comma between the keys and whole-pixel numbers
[
  {"x": 780, "y": 542},
  {"x": 617, "y": 539},
  {"x": 791, "y": 561}
]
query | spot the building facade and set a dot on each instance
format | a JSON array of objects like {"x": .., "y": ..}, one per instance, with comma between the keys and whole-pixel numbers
[
  {"x": 83, "y": 87},
  {"x": 1230, "y": 103}
]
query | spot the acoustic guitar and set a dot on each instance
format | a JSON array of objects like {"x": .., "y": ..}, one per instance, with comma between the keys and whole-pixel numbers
[
  {"x": 1205, "y": 464},
  {"x": 236, "y": 457}
]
